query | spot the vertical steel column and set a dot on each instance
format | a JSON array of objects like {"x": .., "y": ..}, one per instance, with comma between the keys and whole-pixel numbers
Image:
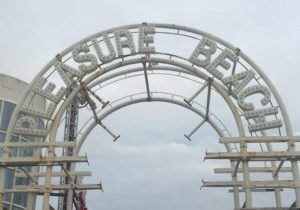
[
  {"x": 236, "y": 195},
  {"x": 248, "y": 194},
  {"x": 70, "y": 135},
  {"x": 275, "y": 178},
  {"x": 235, "y": 166},
  {"x": 296, "y": 176},
  {"x": 234, "y": 175},
  {"x": 46, "y": 198}
]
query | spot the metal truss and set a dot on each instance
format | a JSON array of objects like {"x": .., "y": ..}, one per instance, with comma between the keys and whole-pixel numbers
[{"x": 263, "y": 123}]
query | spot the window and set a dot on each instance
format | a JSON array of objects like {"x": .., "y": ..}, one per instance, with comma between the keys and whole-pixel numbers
[
  {"x": 8, "y": 109},
  {"x": 9, "y": 179}
]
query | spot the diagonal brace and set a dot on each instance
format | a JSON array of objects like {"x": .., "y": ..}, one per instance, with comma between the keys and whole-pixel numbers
[
  {"x": 194, "y": 130},
  {"x": 146, "y": 79},
  {"x": 188, "y": 101}
]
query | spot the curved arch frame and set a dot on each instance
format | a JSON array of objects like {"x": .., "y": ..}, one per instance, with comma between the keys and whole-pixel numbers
[{"x": 154, "y": 57}]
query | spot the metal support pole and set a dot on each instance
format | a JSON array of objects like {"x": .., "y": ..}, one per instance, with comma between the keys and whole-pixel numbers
[
  {"x": 278, "y": 168},
  {"x": 188, "y": 101},
  {"x": 71, "y": 124},
  {"x": 259, "y": 139},
  {"x": 275, "y": 178},
  {"x": 93, "y": 107},
  {"x": 194, "y": 130},
  {"x": 236, "y": 168},
  {"x": 28, "y": 175},
  {"x": 88, "y": 98},
  {"x": 67, "y": 173},
  {"x": 104, "y": 104},
  {"x": 116, "y": 137},
  {"x": 296, "y": 175},
  {"x": 208, "y": 98},
  {"x": 236, "y": 196},
  {"x": 46, "y": 197},
  {"x": 248, "y": 194},
  {"x": 146, "y": 78},
  {"x": 253, "y": 170}
]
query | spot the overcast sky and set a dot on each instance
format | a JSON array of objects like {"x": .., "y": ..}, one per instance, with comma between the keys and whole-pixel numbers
[{"x": 167, "y": 174}]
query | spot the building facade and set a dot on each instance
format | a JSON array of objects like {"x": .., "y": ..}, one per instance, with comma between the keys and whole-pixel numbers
[{"x": 11, "y": 90}]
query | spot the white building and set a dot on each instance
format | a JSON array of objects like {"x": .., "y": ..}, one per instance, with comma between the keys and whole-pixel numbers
[{"x": 11, "y": 90}]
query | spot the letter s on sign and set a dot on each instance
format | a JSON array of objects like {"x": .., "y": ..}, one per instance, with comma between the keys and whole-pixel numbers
[{"x": 80, "y": 55}]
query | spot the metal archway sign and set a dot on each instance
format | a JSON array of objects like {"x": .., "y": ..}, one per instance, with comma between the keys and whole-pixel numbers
[{"x": 73, "y": 77}]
